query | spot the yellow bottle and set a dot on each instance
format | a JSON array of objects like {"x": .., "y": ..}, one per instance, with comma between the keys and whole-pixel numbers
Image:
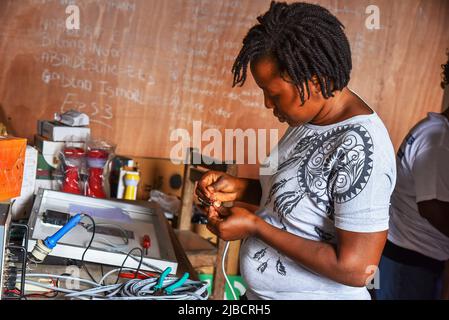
[{"x": 131, "y": 182}]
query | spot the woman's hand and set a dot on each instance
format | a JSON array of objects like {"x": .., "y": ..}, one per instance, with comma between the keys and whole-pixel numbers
[
  {"x": 232, "y": 223},
  {"x": 219, "y": 186}
]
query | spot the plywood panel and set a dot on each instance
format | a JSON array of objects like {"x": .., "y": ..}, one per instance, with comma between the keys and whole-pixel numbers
[{"x": 141, "y": 68}]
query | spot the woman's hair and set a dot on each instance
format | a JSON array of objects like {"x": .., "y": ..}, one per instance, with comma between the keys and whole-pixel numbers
[
  {"x": 306, "y": 40},
  {"x": 445, "y": 73}
]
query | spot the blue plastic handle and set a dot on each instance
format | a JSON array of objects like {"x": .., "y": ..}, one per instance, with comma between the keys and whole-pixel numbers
[
  {"x": 51, "y": 241},
  {"x": 160, "y": 282},
  {"x": 169, "y": 290}
]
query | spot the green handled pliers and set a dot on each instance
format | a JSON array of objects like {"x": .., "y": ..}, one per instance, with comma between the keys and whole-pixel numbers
[{"x": 158, "y": 288}]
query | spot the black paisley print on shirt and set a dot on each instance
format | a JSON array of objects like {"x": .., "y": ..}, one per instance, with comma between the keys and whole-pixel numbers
[{"x": 330, "y": 167}]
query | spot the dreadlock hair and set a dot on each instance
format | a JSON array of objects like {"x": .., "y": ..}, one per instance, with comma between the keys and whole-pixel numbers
[
  {"x": 445, "y": 73},
  {"x": 305, "y": 40}
]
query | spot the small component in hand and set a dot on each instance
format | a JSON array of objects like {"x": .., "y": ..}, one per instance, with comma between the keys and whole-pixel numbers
[{"x": 208, "y": 203}]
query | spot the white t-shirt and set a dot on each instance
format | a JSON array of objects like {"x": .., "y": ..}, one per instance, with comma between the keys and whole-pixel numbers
[
  {"x": 334, "y": 176},
  {"x": 423, "y": 174}
]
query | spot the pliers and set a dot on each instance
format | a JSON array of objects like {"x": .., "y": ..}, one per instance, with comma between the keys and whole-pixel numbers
[{"x": 160, "y": 291}]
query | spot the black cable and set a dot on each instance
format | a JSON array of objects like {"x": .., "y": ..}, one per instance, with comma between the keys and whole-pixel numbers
[
  {"x": 83, "y": 264},
  {"x": 126, "y": 258}
]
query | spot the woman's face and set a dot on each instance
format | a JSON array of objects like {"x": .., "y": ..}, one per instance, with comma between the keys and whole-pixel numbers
[{"x": 283, "y": 97}]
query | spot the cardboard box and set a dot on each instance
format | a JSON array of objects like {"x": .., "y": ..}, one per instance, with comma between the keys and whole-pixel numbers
[
  {"x": 23, "y": 204},
  {"x": 50, "y": 149},
  {"x": 12, "y": 159},
  {"x": 56, "y": 131}
]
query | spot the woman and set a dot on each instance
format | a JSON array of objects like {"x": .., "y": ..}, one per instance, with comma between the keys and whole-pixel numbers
[{"x": 323, "y": 217}]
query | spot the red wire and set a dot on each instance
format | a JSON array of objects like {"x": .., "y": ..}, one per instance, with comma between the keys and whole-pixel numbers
[{"x": 46, "y": 294}]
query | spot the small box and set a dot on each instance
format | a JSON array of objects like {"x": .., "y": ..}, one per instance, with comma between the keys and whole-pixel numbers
[
  {"x": 23, "y": 204},
  {"x": 50, "y": 150},
  {"x": 59, "y": 132},
  {"x": 44, "y": 170},
  {"x": 12, "y": 159}
]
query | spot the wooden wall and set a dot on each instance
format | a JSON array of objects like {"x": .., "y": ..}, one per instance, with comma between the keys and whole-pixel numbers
[{"x": 141, "y": 68}]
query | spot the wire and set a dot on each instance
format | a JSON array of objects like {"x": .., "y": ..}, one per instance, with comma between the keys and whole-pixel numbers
[
  {"x": 134, "y": 289},
  {"x": 83, "y": 264},
  {"x": 118, "y": 269},
  {"x": 115, "y": 246},
  {"x": 224, "y": 270},
  {"x": 149, "y": 265},
  {"x": 51, "y": 294},
  {"x": 45, "y": 275},
  {"x": 126, "y": 258}
]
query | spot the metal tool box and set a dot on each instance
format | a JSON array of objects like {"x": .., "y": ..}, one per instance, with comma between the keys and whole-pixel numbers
[{"x": 136, "y": 220}]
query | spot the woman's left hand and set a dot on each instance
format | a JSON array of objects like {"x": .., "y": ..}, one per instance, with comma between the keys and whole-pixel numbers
[{"x": 231, "y": 223}]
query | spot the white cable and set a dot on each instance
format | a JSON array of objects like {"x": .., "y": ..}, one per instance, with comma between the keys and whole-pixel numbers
[
  {"x": 46, "y": 275},
  {"x": 46, "y": 286},
  {"x": 224, "y": 269},
  {"x": 94, "y": 293},
  {"x": 134, "y": 289},
  {"x": 115, "y": 270}
]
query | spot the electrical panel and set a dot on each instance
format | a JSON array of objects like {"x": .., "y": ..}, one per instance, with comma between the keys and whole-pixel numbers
[{"x": 119, "y": 227}]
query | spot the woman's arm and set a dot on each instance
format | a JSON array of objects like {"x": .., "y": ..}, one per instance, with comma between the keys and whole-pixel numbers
[
  {"x": 352, "y": 262},
  {"x": 435, "y": 211}
]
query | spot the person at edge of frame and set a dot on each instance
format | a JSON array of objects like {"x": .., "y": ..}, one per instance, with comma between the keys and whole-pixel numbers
[
  {"x": 324, "y": 209},
  {"x": 413, "y": 260}
]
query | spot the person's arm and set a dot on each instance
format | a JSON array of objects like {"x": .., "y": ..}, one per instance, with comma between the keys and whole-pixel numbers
[
  {"x": 351, "y": 262},
  {"x": 431, "y": 180},
  {"x": 437, "y": 213}
]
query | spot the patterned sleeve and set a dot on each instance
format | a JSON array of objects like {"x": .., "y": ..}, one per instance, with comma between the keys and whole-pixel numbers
[{"x": 363, "y": 184}]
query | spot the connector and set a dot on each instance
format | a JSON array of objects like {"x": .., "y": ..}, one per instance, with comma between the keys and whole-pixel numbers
[
  {"x": 35, "y": 289},
  {"x": 50, "y": 242},
  {"x": 40, "y": 251},
  {"x": 43, "y": 248}
]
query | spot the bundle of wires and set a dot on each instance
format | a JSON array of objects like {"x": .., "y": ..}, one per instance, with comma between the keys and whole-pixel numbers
[{"x": 133, "y": 289}]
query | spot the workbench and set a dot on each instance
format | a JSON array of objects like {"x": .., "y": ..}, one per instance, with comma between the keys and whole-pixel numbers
[{"x": 96, "y": 271}]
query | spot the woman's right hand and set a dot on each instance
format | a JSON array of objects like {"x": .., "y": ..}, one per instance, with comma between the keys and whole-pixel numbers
[{"x": 219, "y": 186}]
